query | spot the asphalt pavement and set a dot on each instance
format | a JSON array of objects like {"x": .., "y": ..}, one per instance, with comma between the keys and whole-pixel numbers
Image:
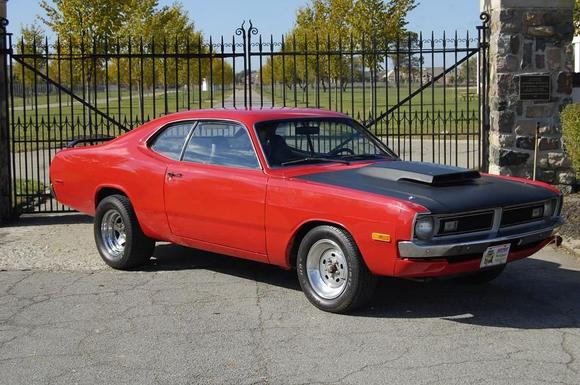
[{"x": 191, "y": 317}]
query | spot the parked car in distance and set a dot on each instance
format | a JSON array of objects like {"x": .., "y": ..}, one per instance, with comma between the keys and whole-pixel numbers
[{"x": 301, "y": 188}]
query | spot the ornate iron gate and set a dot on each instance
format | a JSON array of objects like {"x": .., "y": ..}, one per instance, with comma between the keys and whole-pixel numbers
[{"x": 425, "y": 96}]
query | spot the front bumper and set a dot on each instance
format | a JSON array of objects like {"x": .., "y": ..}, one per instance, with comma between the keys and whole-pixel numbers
[{"x": 519, "y": 238}]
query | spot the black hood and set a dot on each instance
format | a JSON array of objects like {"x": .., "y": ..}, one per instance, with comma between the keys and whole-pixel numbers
[{"x": 441, "y": 189}]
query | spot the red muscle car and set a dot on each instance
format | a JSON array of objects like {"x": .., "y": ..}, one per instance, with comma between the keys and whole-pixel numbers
[{"x": 300, "y": 188}]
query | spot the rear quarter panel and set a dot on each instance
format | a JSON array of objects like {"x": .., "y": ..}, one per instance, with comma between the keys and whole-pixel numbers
[
  {"x": 79, "y": 174},
  {"x": 72, "y": 173}
]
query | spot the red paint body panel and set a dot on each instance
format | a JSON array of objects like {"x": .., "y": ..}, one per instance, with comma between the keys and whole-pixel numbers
[
  {"x": 253, "y": 214},
  {"x": 217, "y": 205},
  {"x": 292, "y": 203}
]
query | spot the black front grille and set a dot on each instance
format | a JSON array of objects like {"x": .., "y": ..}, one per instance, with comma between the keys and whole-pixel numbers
[
  {"x": 467, "y": 223},
  {"x": 519, "y": 215}
]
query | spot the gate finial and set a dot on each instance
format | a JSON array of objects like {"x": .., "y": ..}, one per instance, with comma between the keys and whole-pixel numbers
[
  {"x": 3, "y": 23},
  {"x": 484, "y": 17},
  {"x": 252, "y": 30},
  {"x": 241, "y": 30}
]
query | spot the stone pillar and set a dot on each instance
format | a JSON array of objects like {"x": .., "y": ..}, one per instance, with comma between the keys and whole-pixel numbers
[
  {"x": 5, "y": 209},
  {"x": 529, "y": 37}
]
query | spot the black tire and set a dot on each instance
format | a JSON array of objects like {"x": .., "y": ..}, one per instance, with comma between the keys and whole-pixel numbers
[
  {"x": 481, "y": 277},
  {"x": 136, "y": 248},
  {"x": 359, "y": 284}
]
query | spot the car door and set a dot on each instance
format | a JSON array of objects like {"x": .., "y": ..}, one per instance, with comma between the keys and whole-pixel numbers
[
  {"x": 164, "y": 148},
  {"x": 216, "y": 192}
]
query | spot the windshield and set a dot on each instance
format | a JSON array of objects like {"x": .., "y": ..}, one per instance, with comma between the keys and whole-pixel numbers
[{"x": 299, "y": 141}]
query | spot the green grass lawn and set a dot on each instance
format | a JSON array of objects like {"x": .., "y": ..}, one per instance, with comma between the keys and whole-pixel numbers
[
  {"x": 434, "y": 111},
  {"x": 360, "y": 102},
  {"x": 118, "y": 105},
  {"x": 35, "y": 127}
]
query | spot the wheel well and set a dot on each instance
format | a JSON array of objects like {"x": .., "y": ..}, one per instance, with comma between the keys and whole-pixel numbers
[
  {"x": 300, "y": 233},
  {"x": 105, "y": 192}
]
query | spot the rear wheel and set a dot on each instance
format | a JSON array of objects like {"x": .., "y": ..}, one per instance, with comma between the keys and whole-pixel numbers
[
  {"x": 331, "y": 271},
  {"x": 481, "y": 277},
  {"x": 119, "y": 238}
]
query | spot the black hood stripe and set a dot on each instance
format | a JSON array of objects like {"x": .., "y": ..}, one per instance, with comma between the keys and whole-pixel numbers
[{"x": 474, "y": 194}]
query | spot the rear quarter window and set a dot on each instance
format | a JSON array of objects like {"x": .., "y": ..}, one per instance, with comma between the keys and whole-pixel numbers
[{"x": 170, "y": 141}]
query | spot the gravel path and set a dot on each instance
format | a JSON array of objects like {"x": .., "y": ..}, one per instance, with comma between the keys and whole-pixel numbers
[
  {"x": 570, "y": 232},
  {"x": 571, "y": 212},
  {"x": 51, "y": 242}
]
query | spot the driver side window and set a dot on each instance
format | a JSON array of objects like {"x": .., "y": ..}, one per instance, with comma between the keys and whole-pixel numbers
[{"x": 221, "y": 143}]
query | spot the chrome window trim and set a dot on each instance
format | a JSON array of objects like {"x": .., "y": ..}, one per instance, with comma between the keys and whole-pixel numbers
[
  {"x": 201, "y": 121},
  {"x": 150, "y": 140},
  {"x": 195, "y": 120},
  {"x": 358, "y": 127},
  {"x": 195, "y": 123}
]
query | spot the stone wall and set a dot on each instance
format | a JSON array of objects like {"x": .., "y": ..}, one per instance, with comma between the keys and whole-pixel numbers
[{"x": 526, "y": 39}]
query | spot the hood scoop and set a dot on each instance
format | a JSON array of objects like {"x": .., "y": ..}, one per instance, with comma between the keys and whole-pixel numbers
[{"x": 420, "y": 172}]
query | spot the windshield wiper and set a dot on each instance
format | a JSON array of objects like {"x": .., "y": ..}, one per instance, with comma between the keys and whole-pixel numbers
[
  {"x": 314, "y": 159},
  {"x": 365, "y": 156}
]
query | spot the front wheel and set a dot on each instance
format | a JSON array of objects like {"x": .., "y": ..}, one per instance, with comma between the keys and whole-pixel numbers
[
  {"x": 119, "y": 238},
  {"x": 331, "y": 271}
]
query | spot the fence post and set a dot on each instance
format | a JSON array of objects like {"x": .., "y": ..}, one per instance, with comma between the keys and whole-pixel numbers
[{"x": 5, "y": 195}]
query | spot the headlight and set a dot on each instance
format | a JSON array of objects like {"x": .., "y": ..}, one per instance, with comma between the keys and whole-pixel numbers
[
  {"x": 424, "y": 228},
  {"x": 549, "y": 207}
]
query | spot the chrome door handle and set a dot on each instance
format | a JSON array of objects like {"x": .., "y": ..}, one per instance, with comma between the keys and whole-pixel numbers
[{"x": 174, "y": 175}]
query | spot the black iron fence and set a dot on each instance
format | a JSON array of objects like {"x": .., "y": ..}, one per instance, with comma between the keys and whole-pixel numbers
[{"x": 425, "y": 96}]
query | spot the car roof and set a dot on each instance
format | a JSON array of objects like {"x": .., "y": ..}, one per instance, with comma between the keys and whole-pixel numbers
[{"x": 257, "y": 114}]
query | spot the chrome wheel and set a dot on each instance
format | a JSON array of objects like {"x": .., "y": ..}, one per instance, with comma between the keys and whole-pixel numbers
[
  {"x": 327, "y": 269},
  {"x": 113, "y": 233}
]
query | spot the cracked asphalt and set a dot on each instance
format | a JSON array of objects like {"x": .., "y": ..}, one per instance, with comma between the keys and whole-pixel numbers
[{"x": 191, "y": 317}]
